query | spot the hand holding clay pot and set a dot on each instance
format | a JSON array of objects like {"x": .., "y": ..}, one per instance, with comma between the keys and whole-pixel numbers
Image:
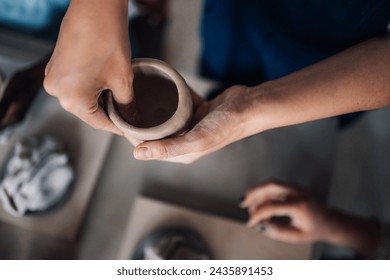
[
  {"x": 218, "y": 123},
  {"x": 92, "y": 54}
]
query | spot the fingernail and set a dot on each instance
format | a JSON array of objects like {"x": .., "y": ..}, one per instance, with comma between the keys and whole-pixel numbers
[
  {"x": 142, "y": 153},
  {"x": 261, "y": 227}
]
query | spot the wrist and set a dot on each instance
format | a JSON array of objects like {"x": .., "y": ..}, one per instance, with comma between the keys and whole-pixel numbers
[
  {"x": 355, "y": 233},
  {"x": 104, "y": 8},
  {"x": 256, "y": 114},
  {"x": 336, "y": 229},
  {"x": 105, "y": 19},
  {"x": 238, "y": 101}
]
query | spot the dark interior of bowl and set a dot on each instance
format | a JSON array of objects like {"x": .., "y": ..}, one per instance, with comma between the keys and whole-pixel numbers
[{"x": 156, "y": 99}]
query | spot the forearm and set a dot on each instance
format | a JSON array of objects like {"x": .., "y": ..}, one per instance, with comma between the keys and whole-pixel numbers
[
  {"x": 116, "y": 6},
  {"x": 354, "y": 80},
  {"x": 92, "y": 29},
  {"x": 92, "y": 54},
  {"x": 362, "y": 235}
]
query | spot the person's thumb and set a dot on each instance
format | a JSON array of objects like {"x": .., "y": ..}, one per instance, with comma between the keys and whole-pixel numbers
[
  {"x": 123, "y": 96},
  {"x": 122, "y": 90},
  {"x": 167, "y": 148}
]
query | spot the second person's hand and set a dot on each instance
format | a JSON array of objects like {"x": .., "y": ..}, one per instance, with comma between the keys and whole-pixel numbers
[{"x": 305, "y": 220}]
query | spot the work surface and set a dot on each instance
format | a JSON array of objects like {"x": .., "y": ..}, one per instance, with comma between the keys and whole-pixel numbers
[
  {"x": 300, "y": 155},
  {"x": 226, "y": 239}
]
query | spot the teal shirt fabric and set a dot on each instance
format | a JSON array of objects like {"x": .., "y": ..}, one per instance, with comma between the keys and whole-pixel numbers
[{"x": 36, "y": 17}]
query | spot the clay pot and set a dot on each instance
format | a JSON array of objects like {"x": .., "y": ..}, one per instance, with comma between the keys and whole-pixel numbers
[{"x": 163, "y": 102}]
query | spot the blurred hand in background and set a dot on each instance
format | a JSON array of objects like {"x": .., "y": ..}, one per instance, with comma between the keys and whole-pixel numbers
[{"x": 286, "y": 213}]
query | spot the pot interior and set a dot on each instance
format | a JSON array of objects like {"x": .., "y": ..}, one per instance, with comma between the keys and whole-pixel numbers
[{"x": 156, "y": 98}]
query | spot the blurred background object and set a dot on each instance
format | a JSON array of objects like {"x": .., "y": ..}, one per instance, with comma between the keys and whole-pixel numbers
[
  {"x": 42, "y": 19},
  {"x": 24, "y": 53},
  {"x": 17, "y": 94},
  {"x": 147, "y": 29},
  {"x": 39, "y": 18}
]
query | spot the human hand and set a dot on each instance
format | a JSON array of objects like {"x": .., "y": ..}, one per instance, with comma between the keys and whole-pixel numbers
[
  {"x": 286, "y": 213},
  {"x": 92, "y": 54},
  {"x": 217, "y": 124}
]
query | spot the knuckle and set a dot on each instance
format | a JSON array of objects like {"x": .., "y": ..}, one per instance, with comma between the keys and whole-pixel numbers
[
  {"x": 59, "y": 88},
  {"x": 159, "y": 151},
  {"x": 125, "y": 80},
  {"x": 98, "y": 126},
  {"x": 67, "y": 104},
  {"x": 163, "y": 152},
  {"x": 235, "y": 90},
  {"x": 81, "y": 104},
  {"x": 90, "y": 120},
  {"x": 50, "y": 86}
]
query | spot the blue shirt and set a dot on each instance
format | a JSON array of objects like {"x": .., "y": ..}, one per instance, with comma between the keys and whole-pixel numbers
[{"x": 251, "y": 41}]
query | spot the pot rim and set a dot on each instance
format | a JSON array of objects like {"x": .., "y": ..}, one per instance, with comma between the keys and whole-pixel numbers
[{"x": 175, "y": 123}]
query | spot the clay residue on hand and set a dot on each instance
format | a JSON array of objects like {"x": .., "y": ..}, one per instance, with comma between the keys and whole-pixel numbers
[{"x": 156, "y": 101}]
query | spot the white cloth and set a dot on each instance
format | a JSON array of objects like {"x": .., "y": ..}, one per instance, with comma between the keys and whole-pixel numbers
[{"x": 36, "y": 177}]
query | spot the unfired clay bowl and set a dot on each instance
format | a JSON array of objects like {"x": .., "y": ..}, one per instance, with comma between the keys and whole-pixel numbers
[{"x": 163, "y": 102}]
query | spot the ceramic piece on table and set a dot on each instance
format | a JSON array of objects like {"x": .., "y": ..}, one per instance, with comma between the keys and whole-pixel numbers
[
  {"x": 162, "y": 99},
  {"x": 172, "y": 243}
]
